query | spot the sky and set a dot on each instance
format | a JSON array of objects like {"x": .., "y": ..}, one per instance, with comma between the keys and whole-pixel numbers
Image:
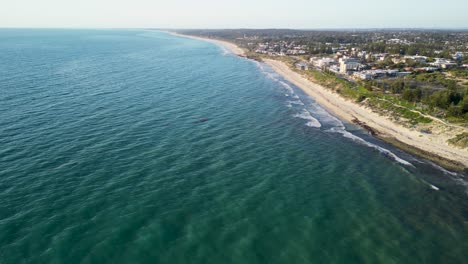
[{"x": 299, "y": 14}]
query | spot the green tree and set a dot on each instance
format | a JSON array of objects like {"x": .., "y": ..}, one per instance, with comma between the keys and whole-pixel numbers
[{"x": 440, "y": 99}]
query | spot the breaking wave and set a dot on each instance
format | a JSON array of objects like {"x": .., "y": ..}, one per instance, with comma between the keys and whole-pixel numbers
[
  {"x": 312, "y": 122},
  {"x": 323, "y": 117},
  {"x": 359, "y": 140}
]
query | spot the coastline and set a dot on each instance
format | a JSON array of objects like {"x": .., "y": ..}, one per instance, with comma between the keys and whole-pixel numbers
[
  {"x": 428, "y": 146},
  {"x": 228, "y": 45},
  {"x": 432, "y": 147}
]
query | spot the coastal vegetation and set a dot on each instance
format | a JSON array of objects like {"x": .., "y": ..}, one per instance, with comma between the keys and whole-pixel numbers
[
  {"x": 460, "y": 140},
  {"x": 431, "y": 93},
  {"x": 381, "y": 102}
]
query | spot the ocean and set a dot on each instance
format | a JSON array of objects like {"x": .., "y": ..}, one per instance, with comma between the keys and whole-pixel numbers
[{"x": 136, "y": 146}]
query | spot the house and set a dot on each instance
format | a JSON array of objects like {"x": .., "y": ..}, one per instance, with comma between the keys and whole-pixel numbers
[
  {"x": 402, "y": 74},
  {"x": 303, "y": 66},
  {"x": 323, "y": 62},
  {"x": 363, "y": 75},
  {"x": 380, "y": 56},
  {"x": 296, "y": 52},
  {"x": 392, "y": 73},
  {"x": 416, "y": 58},
  {"x": 426, "y": 69},
  {"x": 397, "y": 59},
  {"x": 362, "y": 54},
  {"x": 458, "y": 56},
  {"x": 375, "y": 74},
  {"x": 394, "y": 41},
  {"x": 443, "y": 63}
]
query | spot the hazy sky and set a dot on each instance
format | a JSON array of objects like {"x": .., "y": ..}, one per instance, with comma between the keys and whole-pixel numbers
[{"x": 234, "y": 13}]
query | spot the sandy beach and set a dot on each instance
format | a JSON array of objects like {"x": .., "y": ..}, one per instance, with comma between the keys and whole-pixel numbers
[
  {"x": 434, "y": 144},
  {"x": 228, "y": 45},
  {"x": 348, "y": 110}
]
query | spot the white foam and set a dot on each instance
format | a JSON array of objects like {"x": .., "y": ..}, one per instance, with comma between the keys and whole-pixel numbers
[
  {"x": 277, "y": 78},
  {"x": 326, "y": 118},
  {"x": 287, "y": 86},
  {"x": 323, "y": 116},
  {"x": 357, "y": 139},
  {"x": 442, "y": 169},
  {"x": 298, "y": 102},
  {"x": 270, "y": 74},
  {"x": 312, "y": 122},
  {"x": 433, "y": 187},
  {"x": 224, "y": 49}
]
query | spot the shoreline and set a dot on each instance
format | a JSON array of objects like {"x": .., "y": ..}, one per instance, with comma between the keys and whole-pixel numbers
[
  {"x": 427, "y": 146},
  {"x": 228, "y": 45},
  {"x": 411, "y": 141}
]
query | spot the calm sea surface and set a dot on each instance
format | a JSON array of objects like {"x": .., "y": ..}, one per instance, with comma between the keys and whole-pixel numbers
[{"x": 132, "y": 146}]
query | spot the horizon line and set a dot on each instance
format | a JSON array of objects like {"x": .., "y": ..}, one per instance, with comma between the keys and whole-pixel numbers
[{"x": 252, "y": 28}]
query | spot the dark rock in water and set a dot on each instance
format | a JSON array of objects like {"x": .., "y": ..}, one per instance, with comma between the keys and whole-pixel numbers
[
  {"x": 369, "y": 129},
  {"x": 201, "y": 120}
]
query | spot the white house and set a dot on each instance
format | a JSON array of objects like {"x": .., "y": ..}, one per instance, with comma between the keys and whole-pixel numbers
[
  {"x": 303, "y": 66},
  {"x": 416, "y": 58},
  {"x": 323, "y": 62},
  {"x": 443, "y": 63}
]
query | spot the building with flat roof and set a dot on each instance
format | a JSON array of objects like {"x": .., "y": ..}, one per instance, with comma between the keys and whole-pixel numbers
[
  {"x": 443, "y": 63},
  {"x": 324, "y": 62},
  {"x": 350, "y": 64}
]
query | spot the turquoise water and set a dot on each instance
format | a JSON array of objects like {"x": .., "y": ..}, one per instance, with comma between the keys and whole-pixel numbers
[{"x": 140, "y": 147}]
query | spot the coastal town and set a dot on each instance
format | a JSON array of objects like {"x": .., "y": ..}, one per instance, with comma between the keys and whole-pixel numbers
[
  {"x": 426, "y": 68},
  {"x": 360, "y": 64},
  {"x": 407, "y": 87},
  {"x": 357, "y": 63},
  {"x": 361, "y": 55}
]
